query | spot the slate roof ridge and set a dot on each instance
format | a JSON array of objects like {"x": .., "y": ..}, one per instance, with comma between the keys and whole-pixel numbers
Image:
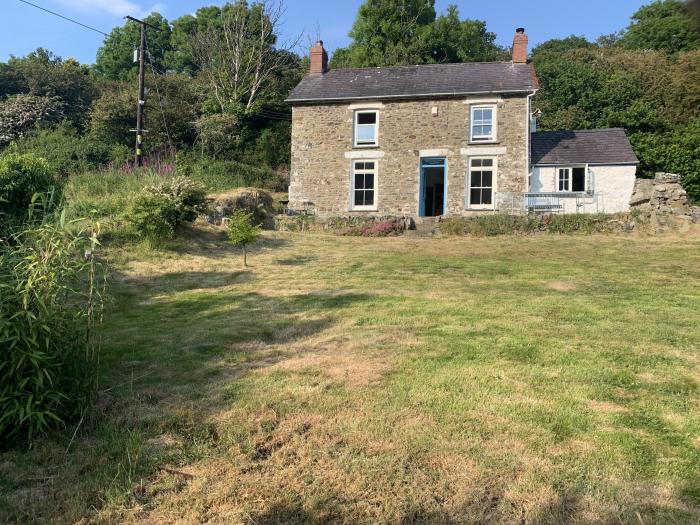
[
  {"x": 597, "y": 130},
  {"x": 406, "y": 66}
]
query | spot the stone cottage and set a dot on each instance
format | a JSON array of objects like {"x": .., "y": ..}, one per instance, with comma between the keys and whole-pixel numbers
[{"x": 433, "y": 140}]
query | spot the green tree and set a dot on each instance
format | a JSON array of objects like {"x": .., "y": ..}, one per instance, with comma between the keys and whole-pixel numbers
[
  {"x": 560, "y": 45},
  {"x": 242, "y": 231},
  {"x": 181, "y": 55},
  {"x": 455, "y": 40},
  {"x": 402, "y": 32},
  {"x": 390, "y": 32},
  {"x": 664, "y": 25},
  {"x": 44, "y": 74},
  {"x": 115, "y": 59}
]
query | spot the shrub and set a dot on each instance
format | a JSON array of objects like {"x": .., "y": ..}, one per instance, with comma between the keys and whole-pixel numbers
[
  {"x": 491, "y": 225},
  {"x": 242, "y": 231},
  {"x": 19, "y": 114},
  {"x": 154, "y": 216},
  {"x": 374, "y": 229},
  {"x": 48, "y": 307},
  {"x": 191, "y": 196},
  {"x": 22, "y": 176},
  {"x": 156, "y": 211}
]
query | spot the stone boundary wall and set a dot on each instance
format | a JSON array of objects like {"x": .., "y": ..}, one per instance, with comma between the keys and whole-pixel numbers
[{"x": 663, "y": 198}]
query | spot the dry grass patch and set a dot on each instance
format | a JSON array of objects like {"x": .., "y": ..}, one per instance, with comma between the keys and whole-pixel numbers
[
  {"x": 348, "y": 380},
  {"x": 562, "y": 286}
]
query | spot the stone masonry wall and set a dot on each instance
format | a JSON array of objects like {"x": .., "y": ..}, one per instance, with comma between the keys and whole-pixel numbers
[{"x": 322, "y": 151}]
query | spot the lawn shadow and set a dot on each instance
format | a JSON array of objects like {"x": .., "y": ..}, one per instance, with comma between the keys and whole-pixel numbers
[
  {"x": 295, "y": 261},
  {"x": 213, "y": 242},
  {"x": 208, "y": 332},
  {"x": 145, "y": 287}
]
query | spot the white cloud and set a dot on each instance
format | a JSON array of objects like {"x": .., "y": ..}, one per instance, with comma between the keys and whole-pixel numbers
[{"x": 112, "y": 7}]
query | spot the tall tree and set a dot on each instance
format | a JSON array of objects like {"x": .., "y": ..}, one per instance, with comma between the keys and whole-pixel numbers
[
  {"x": 664, "y": 25},
  {"x": 455, "y": 40},
  {"x": 236, "y": 53},
  {"x": 115, "y": 59},
  {"x": 389, "y": 32},
  {"x": 402, "y": 32},
  {"x": 44, "y": 74}
]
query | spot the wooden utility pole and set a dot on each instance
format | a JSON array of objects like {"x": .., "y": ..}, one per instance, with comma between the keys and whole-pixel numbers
[{"x": 142, "y": 89}]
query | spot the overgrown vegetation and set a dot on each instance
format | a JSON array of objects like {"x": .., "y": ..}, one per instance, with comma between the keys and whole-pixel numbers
[
  {"x": 21, "y": 178},
  {"x": 156, "y": 211},
  {"x": 50, "y": 304}
]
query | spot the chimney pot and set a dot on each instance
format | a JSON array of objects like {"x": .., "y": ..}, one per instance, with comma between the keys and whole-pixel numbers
[
  {"x": 520, "y": 46},
  {"x": 319, "y": 59}
]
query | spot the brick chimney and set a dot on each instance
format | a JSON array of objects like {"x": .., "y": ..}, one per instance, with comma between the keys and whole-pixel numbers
[
  {"x": 520, "y": 46},
  {"x": 319, "y": 59}
]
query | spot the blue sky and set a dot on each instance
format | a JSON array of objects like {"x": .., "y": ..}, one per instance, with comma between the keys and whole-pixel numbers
[{"x": 25, "y": 28}]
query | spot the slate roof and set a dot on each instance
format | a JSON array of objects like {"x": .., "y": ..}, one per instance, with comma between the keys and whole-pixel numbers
[
  {"x": 594, "y": 146},
  {"x": 429, "y": 80}
]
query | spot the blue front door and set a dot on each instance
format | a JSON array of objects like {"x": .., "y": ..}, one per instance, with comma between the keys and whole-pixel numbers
[{"x": 433, "y": 181}]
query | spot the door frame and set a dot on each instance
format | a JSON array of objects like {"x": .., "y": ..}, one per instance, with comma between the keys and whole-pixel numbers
[{"x": 431, "y": 162}]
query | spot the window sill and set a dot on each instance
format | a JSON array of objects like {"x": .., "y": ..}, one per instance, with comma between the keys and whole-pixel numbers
[
  {"x": 365, "y": 146},
  {"x": 489, "y": 142},
  {"x": 363, "y": 209},
  {"x": 480, "y": 208}
]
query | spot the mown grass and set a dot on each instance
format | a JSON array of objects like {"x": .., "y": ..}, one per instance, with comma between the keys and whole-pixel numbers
[{"x": 499, "y": 380}]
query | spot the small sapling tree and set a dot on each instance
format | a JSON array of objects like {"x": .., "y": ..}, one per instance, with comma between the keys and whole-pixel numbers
[{"x": 242, "y": 231}]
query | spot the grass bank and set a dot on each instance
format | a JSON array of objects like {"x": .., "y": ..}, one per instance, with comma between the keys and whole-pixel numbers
[{"x": 498, "y": 380}]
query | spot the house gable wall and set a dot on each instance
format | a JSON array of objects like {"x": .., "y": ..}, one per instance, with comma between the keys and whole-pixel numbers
[
  {"x": 322, "y": 153},
  {"x": 612, "y": 188}
]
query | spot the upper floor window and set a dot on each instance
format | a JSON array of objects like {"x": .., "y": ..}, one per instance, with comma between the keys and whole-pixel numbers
[
  {"x": 483, "y": 128},
  {"x": 366, "y": 128}
]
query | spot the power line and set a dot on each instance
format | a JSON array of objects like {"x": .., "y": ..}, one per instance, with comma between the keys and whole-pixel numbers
[{"x": 65, "y": 17}]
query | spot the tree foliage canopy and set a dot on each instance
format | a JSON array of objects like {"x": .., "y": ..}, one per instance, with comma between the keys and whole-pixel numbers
[
  {"x": 647, "y": 81},
  {"x": 664, "y": 25},
  {"x": 403, "y": 32}
]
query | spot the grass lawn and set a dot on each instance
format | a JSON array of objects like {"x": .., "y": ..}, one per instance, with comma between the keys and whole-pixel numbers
[{"x": 523, "y": 380}]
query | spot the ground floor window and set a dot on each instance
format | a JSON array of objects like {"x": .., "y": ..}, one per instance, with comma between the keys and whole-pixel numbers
[
  {"x": 578, "y": 179},
  {"x": 564, "y": 179},
  {"x": 364, "y": 184},
  {"x": 571, "y": 179},
  {"x": 482, "y": 176}
]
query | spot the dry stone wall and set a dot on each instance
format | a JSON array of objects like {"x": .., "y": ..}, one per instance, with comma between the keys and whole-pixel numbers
[{"x": 663, "y": 195}]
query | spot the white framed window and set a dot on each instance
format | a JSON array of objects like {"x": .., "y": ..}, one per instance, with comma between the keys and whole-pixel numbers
[
  {"x": 366, "y": 130},
  {"x": 363, "y": 191},
  {"x": 483, "y": 123},
  {"x": 572, "y": 179},
  {"x": 564, "y": 179},
  {"x": 481, "y": 187}
]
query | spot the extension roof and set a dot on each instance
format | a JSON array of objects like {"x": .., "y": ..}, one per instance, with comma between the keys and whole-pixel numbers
[
  {"x": 408, "y": 82},
  {"x": 593, "y": 146}
]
